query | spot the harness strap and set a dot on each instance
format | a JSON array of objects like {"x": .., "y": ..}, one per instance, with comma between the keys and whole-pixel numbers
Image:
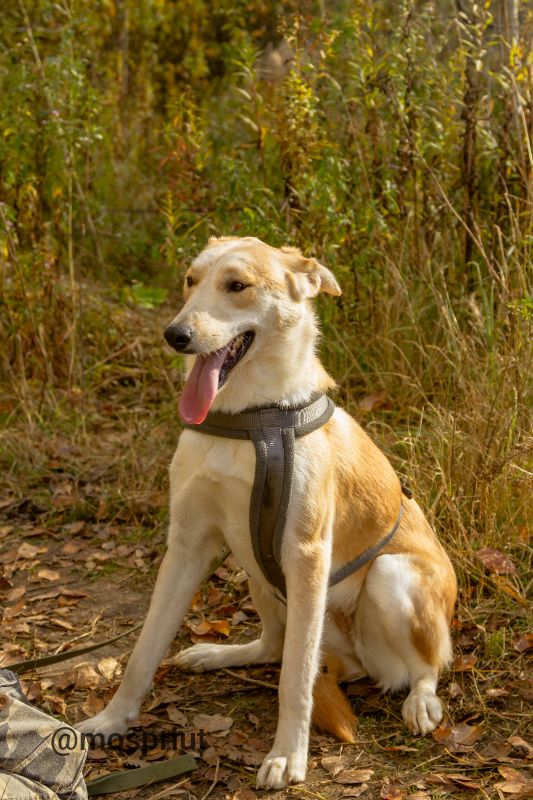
[
  {"x": 271, "y": 494},
  {"x": 366, "y": 555},
  {"x": 304, "y": 418},
  {"x": 272, "y": 430}
]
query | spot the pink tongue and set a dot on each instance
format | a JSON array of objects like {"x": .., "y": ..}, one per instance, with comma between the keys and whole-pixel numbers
[{"x": 201, "y": 387}]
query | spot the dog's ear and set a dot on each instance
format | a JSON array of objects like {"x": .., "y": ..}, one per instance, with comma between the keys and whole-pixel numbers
[{"x": 307, "y": 277}]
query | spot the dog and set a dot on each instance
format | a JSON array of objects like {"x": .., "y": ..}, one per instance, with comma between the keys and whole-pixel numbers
[{"x": 250, "y": 332}]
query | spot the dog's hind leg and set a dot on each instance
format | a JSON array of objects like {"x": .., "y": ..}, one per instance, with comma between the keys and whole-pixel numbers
[
  {"x": 401, "y": 630},
  {"x": 190, "y": 552},
  {"x": 265, "y": 650}
]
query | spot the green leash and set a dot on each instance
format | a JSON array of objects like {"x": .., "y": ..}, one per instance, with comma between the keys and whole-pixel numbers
[{"x": 143, "y": 776}]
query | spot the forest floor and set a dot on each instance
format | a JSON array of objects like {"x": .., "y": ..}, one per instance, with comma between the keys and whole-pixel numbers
[{"x": 82, "y": 531}]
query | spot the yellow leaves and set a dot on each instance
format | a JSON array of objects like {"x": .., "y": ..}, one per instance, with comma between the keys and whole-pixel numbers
[
  {"x": 48, "y": 574},
  {"x": 209, "y": 627},
  {"x": 109, "y": 667}
]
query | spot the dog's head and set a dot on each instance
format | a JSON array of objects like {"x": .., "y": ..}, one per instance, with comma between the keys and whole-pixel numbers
[{"x": 239, "y": 293}]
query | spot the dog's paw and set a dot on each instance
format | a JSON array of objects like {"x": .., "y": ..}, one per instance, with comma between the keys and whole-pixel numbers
[
  {"x": 279, "y": 770},
  {"x": 422, "y": 712},
  {"x": 200, "y": 657},
  {"x": 101, "y": 728}
]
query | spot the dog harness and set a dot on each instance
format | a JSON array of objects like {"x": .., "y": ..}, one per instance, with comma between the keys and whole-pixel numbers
[{"x": 273, "y": 429}]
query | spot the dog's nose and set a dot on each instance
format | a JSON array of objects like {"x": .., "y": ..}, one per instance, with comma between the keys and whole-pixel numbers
[{"x": 178, "y": 337}]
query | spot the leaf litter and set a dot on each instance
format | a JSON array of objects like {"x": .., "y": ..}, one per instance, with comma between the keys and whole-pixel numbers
[{"x": 57, "y": 575}]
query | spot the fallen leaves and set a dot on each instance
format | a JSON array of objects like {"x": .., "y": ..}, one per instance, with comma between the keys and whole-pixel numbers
[
  {"x": 211, "y": 723},
  {"x": 515, "y": 783},
  {"x": 175, "y": 715},
  {"x": 465, "y": 781},
  {"x": 109, "y": 667},
  {"x": 457, "y": 738},
  {"x": 524, "y": 749},
  {"x": 86, "y": 677},
  {"x": 92, "y": 705},
  {"x": 27, "y": 550},
  {"x": 391, "y": 791},
  {"x": 336, "y": 764},
  {"x": 355, "y": 776},
  {"x": 374, "y": 401},
  {"x": 218, "y": 627},
  {"x": 495, "y": 561},
  {"x": 465, "y": 662},
  {"x": 48, "y": 574},
  {"x": 523, "y": 643}
]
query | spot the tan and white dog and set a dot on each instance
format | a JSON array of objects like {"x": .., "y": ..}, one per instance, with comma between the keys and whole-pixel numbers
[{"x": 252, "y": 333}]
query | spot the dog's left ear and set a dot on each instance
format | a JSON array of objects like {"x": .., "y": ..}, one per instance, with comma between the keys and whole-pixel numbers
[{"x": 308, "y": 278}]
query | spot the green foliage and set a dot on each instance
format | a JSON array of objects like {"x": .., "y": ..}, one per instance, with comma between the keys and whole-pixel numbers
[{"x": 396, "y": 149}]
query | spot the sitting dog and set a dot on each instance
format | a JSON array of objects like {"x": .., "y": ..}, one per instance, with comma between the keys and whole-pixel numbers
[{"x": 345, "y": 571}]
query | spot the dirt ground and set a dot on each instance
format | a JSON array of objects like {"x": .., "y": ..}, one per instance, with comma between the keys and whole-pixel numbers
[{"x": 83, "y": 514}]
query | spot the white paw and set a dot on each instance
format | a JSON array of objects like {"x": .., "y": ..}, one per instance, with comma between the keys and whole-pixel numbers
[
  {"x": 278, "y": 771},
  {"x": 100, "y": 728},
  {"x": 200, "y": 657},
  {"x": 422, "y": 712}
]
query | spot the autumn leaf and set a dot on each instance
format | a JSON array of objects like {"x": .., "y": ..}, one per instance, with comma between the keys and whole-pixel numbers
[
  {"x": 86, "y": 678},
  {"x": 515, "y": 782},
  {"x": 49, "y": 574},
  {"x": 15, "y": 594},
  {"x": 71, "y": 548},
  {"x": 456, "y": 737},
  {"x": 175, "y": 715},
  {"x": 523, "y": 643},
  {"x": 495, "y": 561},
  {"x": 497, "y": 750},
  {"x": 211, "y": 723},
  {"x": 401, "y": 748},
  {"x": 464, "y": 781},
  {"x": 524, "y": 748},
  {"x": 92, "y": 705},
  {"x": 208, "y": 627},
  {"x": 464, "y": 662},
  {"x": 372, "y": 401},
  {"x": 355, "y": 775},
  {"x": 497, "y": 692},
  {"x": 336, "y": 764},
  {"x": 355, "y": 791},
  {"x": 244, "y": 794},
  {"x": 109, "y": 667},
  {"x": 391, "y": 791},
  {"x": 56, "y": 704},
  {"x": 27, "y": 550}
]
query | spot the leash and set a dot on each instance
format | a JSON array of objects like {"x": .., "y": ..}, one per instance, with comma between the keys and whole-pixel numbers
[{"x": 273, "y": 429}]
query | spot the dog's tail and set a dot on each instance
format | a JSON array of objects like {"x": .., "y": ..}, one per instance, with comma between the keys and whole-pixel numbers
[{"x": 331, "y": 710}]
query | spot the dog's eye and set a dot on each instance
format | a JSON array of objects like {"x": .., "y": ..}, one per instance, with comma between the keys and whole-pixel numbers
[
  {"x": 237, "y": 286},
  {"x": 189, "y": 281}
]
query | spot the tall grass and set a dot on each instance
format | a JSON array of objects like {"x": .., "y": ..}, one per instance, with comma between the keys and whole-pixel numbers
[{"x": 397, "y": 149}]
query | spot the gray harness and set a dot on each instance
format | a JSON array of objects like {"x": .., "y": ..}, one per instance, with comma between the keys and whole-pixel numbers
[{"x": 273, "y": 430}]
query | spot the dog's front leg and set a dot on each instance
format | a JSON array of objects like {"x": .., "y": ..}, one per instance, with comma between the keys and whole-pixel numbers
[
  {"x": 307, "y": 572},
  {"x": 185, "y": 565}
]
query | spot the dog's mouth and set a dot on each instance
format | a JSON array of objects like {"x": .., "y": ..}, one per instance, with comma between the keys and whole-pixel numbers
[{"x": 209, "y": 373}]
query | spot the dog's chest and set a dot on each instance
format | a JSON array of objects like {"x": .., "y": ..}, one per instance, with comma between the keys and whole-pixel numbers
[
  {"x": 227, "y": 466},
  {"x": 216, "y": 459}
]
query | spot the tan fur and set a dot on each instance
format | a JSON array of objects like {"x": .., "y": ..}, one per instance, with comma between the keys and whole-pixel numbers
[
  {"x": 332, "y": 712},
  {"x": 388, "y": 620}
]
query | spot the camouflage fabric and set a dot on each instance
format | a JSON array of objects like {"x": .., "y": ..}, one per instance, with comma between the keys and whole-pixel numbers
[{"x": 41, "y": 758}]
